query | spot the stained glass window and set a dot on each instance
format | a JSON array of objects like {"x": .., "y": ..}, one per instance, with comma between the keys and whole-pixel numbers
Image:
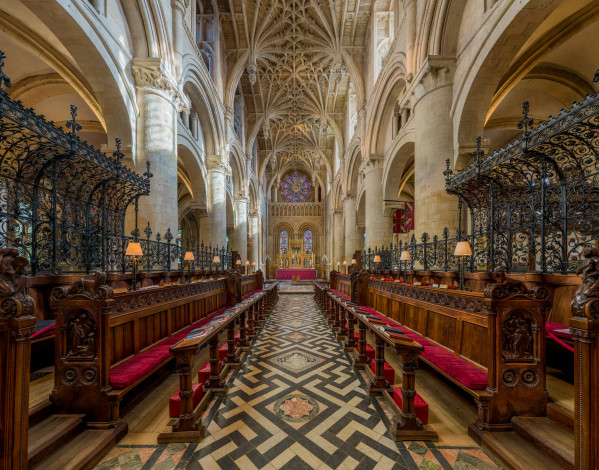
[
  {"x": 308, "y": 242},
  {"x": 284, "y": 242},
  {"x": 295, "y": 188}
]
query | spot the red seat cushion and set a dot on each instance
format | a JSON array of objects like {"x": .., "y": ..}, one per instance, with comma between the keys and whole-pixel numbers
[
  {"x": 467, "y": 374},
  {"x": 223, "y": 350},
  {"x": 174, "y": 403},
  {"x": 250, "y": 294},
  {"x": 388, "y": 371},
  {"x": 552, "y": 327},
  {"x": 135, "y": 368},
  {"x": 370, "y": 352},
  {"x": 204, "y": 373},
  {"x": 420, "y": 405}
]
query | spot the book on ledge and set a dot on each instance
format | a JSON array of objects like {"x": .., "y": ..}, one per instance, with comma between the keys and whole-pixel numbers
[{"x": 394, "y": 330}]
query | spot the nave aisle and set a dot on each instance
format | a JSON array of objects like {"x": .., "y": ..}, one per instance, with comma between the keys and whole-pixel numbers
[{"x": 295, "y": 404}]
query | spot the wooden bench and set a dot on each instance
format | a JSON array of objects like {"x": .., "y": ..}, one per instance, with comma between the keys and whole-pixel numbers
[
  {"x": 468, "y": 337},
  {"x": 188, "y": 426},
  {"x": 110, "y": 343}
]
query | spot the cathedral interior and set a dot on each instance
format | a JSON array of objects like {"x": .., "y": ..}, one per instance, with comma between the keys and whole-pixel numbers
[{"x": 299, "y": 234}]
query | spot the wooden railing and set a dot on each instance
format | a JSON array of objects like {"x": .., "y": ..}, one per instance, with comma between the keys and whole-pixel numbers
[
  {"x": 98, "y": 330},
  {"x": 501, "y": 332},
  {"x": 188, "y": 427}
]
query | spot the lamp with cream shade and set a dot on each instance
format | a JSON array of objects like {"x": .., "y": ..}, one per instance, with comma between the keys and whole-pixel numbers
[
  {"x": 462, "y": 249},
  {"x": 405, "y": 257},
  {"x": 247, "y": 266},
  {"x": 216, "y": 261},
  {"x": 377, "y": 260},
  {"x": 134, "y": 250},
  {"x": 189, "y": 258},
  {"x": 345, "y": 264},
  {"x": 253, "y": 266}
]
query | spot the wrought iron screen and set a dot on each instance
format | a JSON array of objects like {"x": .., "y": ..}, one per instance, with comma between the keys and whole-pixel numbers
[
  {"x": 63, "y": 202},
  {"x": 532, "y": 205}
]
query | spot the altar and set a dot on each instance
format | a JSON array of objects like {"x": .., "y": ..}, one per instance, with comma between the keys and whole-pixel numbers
[{"x": 303, "y": 273}]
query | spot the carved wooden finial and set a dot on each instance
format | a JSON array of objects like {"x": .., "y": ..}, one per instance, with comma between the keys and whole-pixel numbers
[{"x": 585, "y": 301}]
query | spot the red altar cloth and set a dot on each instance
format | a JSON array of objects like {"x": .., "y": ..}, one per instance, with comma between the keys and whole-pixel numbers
[{"x": 303, "y": 273}]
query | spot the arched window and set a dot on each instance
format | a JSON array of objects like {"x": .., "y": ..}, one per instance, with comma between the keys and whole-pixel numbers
[
  {"x": 284, "y": 242},
  {"x": 308, "y": 242}
]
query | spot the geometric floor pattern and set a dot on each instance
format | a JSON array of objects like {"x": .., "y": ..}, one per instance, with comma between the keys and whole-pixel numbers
[{"x": 296, "y": 404}]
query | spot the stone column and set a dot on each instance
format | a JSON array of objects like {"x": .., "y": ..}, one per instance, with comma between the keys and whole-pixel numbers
[
  {"x": 254, "y": 240},
  {"x": 239, "y": 238},
  {"x": 194, "y": 125},
  {"x": 379, "y": 228},
  {"x": 352, "y": 237},
  {"x": 410, "y": 11},
  {"x": 217, "y": 201},
  {"x": 338, "y": 238},
  {"x": 159, "y": 101},
  {"x": 435, "y": 209},
  {"x": 179, "y": 7}
]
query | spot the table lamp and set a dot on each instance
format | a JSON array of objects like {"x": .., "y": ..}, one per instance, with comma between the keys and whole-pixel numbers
[
  {"x": 216, "y": 261},
  {"x": 405, "y": 257},
  {"x": 247, "y": 266},
  {"x": 338, "y": 264},
  {"x": 377, "y": 260},
  {"x": 189, "y": 258},
  {"x": 134, "y": 250},
  {"x": 345, "y": 264},
  {"x": 238, "y": 263},
  {"x": 462, "y": 249}
]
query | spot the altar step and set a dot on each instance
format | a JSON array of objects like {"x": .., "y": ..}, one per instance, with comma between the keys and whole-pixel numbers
[
  {"x": 62, "y": 442},
  {"x": 546, "y": 442}
]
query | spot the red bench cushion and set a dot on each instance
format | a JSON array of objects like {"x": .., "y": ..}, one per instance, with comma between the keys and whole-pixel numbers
[
  {"x": 552, "y": 327},
  {"x": 135, "y": 368},
  {"x": 174, "y": 403},
  {"x": 250, "y": 294},
  {"x": 420, "y": 405},
  {"x": 130, "y": 371},
  {"x": 467, "y": 374},
  {"x": 204, "y": 373},
  {"x": 223, "y": 351},
  {"x": 388, "y": 371},
  {"x": 370, "y": 352}
]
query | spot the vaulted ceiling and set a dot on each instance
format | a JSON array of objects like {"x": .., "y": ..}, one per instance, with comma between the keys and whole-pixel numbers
[{"x": 302, "y": 57}]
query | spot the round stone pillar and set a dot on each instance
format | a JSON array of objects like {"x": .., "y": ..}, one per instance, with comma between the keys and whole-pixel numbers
[
  {"x": 217, "y": 201},
  {"x": 379, "y": 228},
  {"x": 338, "y": 241},
  {"x": 353, "y": 239},
  {"x": 434, "y": 208},
  {"x": 239, "y": 237},
  {"x": 158, "y": 100},
  {"x": 254, "y": 229}
]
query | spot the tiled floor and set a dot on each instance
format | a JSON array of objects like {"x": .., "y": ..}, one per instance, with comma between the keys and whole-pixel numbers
[{"x": 296, "y": 404}]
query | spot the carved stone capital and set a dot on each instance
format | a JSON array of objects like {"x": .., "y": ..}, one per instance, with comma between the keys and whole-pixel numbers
[
  {"x": 240, "y": 196},
  {"x": 436, "y": 72},
  {"x": 371, "y": 163},
  {"x": 215, "y": 163},
  {"x": 254, "y": 213},
  {"x": 348, "y": 197},
  {"x": 150, "y": 74}
]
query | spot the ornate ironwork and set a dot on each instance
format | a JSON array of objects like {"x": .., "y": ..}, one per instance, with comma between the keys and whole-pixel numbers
[
  {"x": 533, "y": 205},
  {"x": 63, "y": 202}
]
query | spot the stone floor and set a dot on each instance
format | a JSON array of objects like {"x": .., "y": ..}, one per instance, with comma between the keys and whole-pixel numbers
[{"x": 296, "y": 404}]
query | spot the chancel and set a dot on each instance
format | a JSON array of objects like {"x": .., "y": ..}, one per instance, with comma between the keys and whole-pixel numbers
[{"x": 288, "y": 234}]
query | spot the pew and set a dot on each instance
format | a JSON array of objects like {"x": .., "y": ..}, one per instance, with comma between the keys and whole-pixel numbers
[
  {"x": 109, "y": 343},
  {"x": 188, "y": 426},
  {"x": 491, "y": 344},
  {"x": 342, "y": 312}
]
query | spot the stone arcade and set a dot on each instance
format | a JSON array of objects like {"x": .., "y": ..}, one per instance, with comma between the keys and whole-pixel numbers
[{"x": 299, "y": 234}]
